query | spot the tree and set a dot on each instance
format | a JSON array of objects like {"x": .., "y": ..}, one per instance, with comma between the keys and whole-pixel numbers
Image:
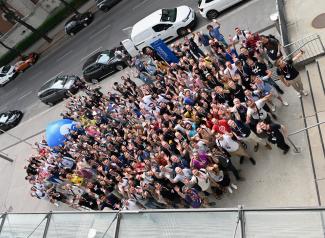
[
  {"x": 70, "y": 6},
  {"x": 11, "y": 15},
  {"x": 17, "y": 52}
]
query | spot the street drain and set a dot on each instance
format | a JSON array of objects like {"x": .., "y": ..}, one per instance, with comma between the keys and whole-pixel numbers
[{"x": 319, "y": 21}]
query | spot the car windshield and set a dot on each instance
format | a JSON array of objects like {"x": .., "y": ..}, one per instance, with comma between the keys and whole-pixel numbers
[
  {"x": 5, "y": 69},
  {"x": 169, "y": 14},
  {"x": 59, "y": 80},
  {"x": 2, "y": 75},
  {"x": 105, "y": 56}
]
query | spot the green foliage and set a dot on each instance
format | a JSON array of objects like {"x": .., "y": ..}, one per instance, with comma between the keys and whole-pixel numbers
[{"x": 59, "y": 15}]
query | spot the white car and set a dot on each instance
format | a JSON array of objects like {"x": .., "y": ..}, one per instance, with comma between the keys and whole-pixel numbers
[
  {"x": 7, "y": 73},
  {"x": 211, "y": 8},
  {"x": 164, "y": 24}
]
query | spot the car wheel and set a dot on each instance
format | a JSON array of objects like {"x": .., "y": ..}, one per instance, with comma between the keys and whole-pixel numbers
[
  {"x": 119, "y": 67},
  {"x": 94, "y": 81},
  {"x": 71, "y": 34},
  {"x": 85, "y": 24},
  {"x": 182, "y": 31},
  {"x": 49, "y": 104},
  {"x": 212, "y": 14}
]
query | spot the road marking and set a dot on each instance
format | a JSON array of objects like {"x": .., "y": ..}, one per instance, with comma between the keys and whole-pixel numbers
[
  {"x": 140, "y": 4},
  {"x": 59, "y": 59},
  {"x": 83, "y": 58},
  {"x": 35, "y": 75},
  {"x": 25, "y": 95},
  {"x": 98, "y": 32}
]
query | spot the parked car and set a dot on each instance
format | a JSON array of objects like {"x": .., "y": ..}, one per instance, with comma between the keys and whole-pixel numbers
[
  {"x": 164, "y": 24},
  {"x": 58, "y": 88},
  {"x": 26, "y": 61},
  {"x": 211, "y": 8},
  {"x": 78, "y": 22},
  {"x": 106, "y": 5},
  {"x": 104, "y": 63},
  {"x": 7, "y": 73},
  {"x": 10, "y": 119}
]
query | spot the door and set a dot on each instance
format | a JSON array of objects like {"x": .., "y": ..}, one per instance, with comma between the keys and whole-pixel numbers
[
  {"x": 219, "y": 5},
  {"x": 163, "y": 31},
  {"x": 130, "y": 47}
]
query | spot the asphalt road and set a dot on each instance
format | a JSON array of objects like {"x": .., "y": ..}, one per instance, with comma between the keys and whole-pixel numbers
[{"x": 106, "y": 31}]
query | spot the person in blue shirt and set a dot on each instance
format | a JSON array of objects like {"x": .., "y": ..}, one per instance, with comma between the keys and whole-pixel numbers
[{"x": 214, "y": 32}]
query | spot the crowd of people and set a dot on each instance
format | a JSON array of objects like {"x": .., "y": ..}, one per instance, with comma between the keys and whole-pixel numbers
[{"x": 170, "y": 142}]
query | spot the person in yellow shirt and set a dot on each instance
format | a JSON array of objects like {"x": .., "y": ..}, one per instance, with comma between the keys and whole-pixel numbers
[{"x": 75, "y": 179}]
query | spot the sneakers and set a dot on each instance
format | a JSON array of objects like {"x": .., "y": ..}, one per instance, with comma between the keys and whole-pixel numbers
[
  {"x": 286, "y": 151},
  {"x": 252, "y": 160},
  {"x": 229, "y": 189},
  {"x": 268, "y": 146},
  {"x": 299, "y": 95},
  {"x": 234, "y": 186},
  {"x": 273, "y": 108},
  {"x": 285, "y": 103},
  {"x": 305, "y": 93},
  {"x": 256, "y": 147}
]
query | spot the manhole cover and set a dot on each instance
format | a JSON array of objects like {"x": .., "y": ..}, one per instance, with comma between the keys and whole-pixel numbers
[{"x": 319, "y": 21}]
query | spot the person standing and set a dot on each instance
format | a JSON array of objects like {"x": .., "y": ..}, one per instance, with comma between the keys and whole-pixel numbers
[
  {"x": 214, "y": 33},
  {"x": 276, "y": 134},
  {"x": 289, "y": 75},
  {"x": 233, "y": 147}
]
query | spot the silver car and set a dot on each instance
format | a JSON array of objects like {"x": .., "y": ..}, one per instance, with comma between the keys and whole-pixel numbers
[{"x": 58, "y": 88}]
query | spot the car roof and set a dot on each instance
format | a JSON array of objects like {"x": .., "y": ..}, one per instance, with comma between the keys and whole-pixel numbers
[{"x": 148, "y": 21}]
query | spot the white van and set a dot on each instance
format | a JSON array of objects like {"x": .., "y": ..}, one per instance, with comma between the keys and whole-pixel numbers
[
  {"x": 211, "y": 8},
  {"x": 164, "y": 24}
]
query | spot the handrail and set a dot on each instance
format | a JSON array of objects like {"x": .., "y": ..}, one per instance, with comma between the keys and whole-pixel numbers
[
  {"x": 294, "y": 51},
  {"x": 307, "y": 36},
  {"x": 311, "y": 44}
]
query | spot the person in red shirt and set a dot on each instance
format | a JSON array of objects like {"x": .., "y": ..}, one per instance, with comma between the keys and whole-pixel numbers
[{"x": 220, "y": 126}]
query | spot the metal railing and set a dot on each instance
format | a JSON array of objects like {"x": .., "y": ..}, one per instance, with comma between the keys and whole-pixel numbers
[
  {"x": 312, "y": 46},
  {"x": 213, "y": 222}
]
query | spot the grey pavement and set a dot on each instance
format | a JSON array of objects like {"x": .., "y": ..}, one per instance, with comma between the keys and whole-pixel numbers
[
  {"x": 300, "y": 15},
  {"x": 276, "y": 180}
]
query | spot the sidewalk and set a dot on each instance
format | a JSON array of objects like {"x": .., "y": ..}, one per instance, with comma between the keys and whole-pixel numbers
[{"x": 300, "y": 15}]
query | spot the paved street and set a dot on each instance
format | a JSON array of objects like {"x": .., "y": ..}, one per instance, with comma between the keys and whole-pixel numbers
[{"x": 105, "y": 32}]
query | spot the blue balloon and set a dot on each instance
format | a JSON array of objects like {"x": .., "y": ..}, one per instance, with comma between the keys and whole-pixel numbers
[{"x": 56, "y": 131}]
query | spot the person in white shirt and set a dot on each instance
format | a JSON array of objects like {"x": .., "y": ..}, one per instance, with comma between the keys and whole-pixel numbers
[
  {"x": 230, "y": 69},
  {"x": 233, "y": 147},
  {"x": 256, "y": 111},
  {"x": 181, "y": 175},
  {"x": 240, "y": 36}
]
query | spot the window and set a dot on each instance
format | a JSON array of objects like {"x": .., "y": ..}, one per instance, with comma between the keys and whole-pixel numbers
[
  {"x": 169, "y": 14},
  {"x": 207, "y": 1},
  {"x": 92, "y": 68},
  {"x": 161, "y": 27},
  {"x": 47, "y": 93}
]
